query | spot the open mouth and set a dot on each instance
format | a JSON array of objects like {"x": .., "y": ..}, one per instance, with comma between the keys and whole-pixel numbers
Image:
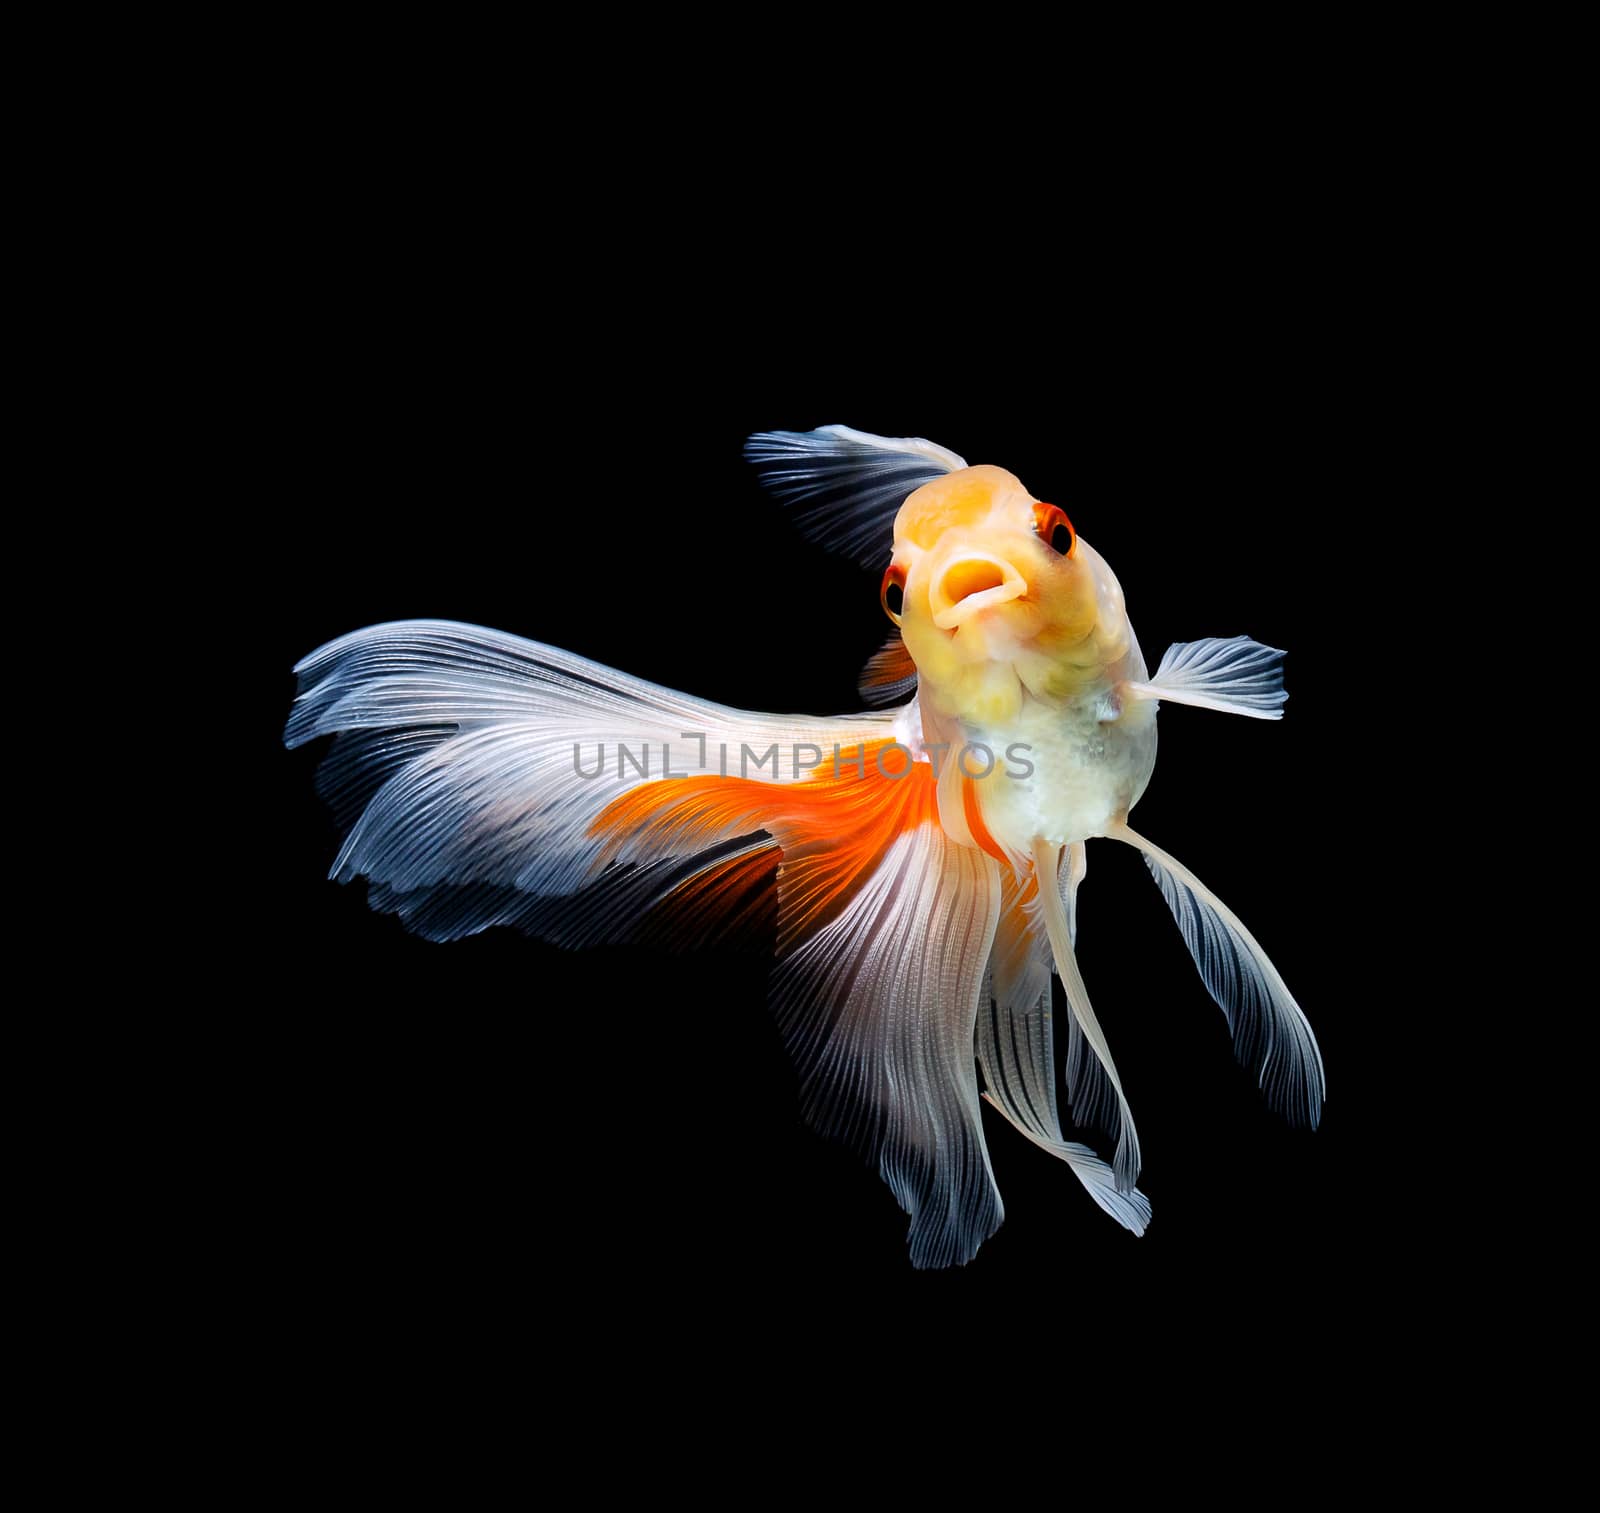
[{"x": 972, "y": 584}]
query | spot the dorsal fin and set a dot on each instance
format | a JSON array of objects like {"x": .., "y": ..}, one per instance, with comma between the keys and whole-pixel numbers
[{"x": 846, "y": 486}]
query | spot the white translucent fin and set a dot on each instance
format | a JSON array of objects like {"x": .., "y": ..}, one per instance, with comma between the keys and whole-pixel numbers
[
  {"x": 1016, "y": 1051},
  {"x": 1015, "y": 1040},
  {"x": 879, "y": 1008},
  {"x": 1270, "y": 1034},
  {"x": 846, "y": 486},
  {"x": 1074, "y": 868},
  {"x": 1237, "y": 676},
  {"x": 1091, "y": 1097},
  {"x": 1094, "y": 1100},
  {"x": 621, "y": 906},
  {"x": 1130, "y": 1209},
  {"x": 454, "y": 767},
  {"x": 1089, "y": 1092}
]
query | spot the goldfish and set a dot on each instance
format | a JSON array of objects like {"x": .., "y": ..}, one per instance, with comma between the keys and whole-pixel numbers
[{"x": 915, "y": 864}]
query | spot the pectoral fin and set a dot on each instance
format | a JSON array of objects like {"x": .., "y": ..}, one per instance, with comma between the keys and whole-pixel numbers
[
  {"x": 1236, "y": 676},
  {"x": 890, "y": 676}
]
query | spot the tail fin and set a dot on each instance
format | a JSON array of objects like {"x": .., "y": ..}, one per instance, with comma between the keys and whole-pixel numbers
[
  {"x": 1016, "y": 1043},
  {"x": 490, "y": 780},
  {"x": 471, "y": 766}
]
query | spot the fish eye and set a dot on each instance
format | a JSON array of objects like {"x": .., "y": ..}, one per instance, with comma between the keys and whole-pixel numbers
[
  {"x": 1054, "y": 529},
  {"x": 893, "y": 592}
]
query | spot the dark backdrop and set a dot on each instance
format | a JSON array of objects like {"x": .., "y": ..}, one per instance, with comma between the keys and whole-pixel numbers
[{"x": 560, "y": 458}]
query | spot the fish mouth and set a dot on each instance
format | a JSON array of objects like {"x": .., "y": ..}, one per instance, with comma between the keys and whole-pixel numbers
[{"x": 974, "y": 582}]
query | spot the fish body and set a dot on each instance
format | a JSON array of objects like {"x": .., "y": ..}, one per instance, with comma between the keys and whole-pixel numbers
[
  {"x": 924, "y": 857},
  {"x": 1019, "y": 648}
]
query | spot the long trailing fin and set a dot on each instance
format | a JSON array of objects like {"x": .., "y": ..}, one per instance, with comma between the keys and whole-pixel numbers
[
  {"x": 1114, "y": 1106},
  {"x": 1074, "y": 868},
  {"x": 884, "y": 927},
  {"x": 469, "y": 767},
  {"x": 1017, "y": 1053},
  {"x": 879, "y": 1009},
  {"x": 1271, "y": 1035},
  {"x": 485, "y": 783}
]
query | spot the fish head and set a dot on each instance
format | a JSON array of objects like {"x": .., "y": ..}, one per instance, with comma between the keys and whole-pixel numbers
[{"x": 998, "y": 599}]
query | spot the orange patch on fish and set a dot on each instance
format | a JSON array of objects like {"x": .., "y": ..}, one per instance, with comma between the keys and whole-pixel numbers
[
  {"x": 973, "y": 810},
  {"x": 959, "y": 499},
  {"x": 833, "y": 827},
  {"x": 729, "y": 902}
]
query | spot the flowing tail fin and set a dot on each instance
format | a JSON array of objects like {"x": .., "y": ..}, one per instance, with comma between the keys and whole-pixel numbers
[
  {"x": 1016, "y": 1044},
  {"x": 1087, "y": 1087},
  {"x": 470, "y": 767},
  {"x": 489, "y": 780}
]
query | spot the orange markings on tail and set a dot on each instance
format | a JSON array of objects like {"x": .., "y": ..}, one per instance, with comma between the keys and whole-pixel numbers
[
  {"x": 729, "y": 902},
  {"x": 833, "y": 827}
]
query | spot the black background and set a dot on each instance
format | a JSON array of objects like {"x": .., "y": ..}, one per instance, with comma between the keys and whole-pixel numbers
[
  {"x": 442, "y": 430},
  {"x": 454, "y": 1116}
]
